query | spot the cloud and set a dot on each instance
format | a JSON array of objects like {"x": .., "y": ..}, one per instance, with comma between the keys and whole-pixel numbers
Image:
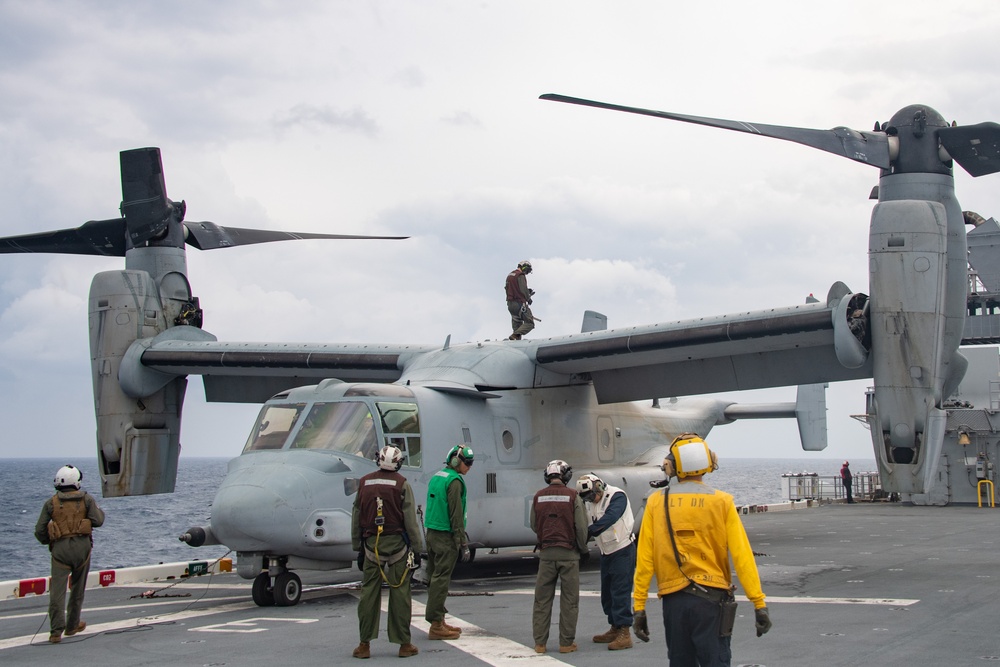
[
  {"x": 425, "y": 121},
  {"x": 310, "y": 117}
]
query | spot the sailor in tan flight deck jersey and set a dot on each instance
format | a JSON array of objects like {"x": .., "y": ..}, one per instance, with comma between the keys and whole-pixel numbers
[
  {"x": 65, "y": 525},
  {"x": 688, "y": 533}
]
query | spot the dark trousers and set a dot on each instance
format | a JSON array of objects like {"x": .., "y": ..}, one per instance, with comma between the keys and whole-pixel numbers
[
  {"x": 847, "y": 490},
  {"x": 691, "y": 625},
  {"x": 616, "y": 585},
  {"x": 442, "y": 554}
]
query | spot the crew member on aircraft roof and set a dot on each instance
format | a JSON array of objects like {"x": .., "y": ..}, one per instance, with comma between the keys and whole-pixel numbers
[{"x": 519, "y": 300}]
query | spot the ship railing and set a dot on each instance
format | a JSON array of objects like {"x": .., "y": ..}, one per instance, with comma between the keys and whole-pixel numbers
[{"x": 813, "y": 486}]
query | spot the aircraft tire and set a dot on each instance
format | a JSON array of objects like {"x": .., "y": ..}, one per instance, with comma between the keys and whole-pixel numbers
[
  {"x": 287, "y": 589},
  {"x": 263, "y": 595}
]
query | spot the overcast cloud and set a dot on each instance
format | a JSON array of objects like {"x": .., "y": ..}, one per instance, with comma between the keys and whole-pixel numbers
[{"x": 423, "y": 119}]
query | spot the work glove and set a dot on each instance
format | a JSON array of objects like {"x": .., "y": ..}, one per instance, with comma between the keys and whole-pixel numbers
[
  {"x": 361, "y": 560},
  {"x": 584, "y": 557},
  {"x": 465, "y": 554},
  {"x": 524, "y": 307},
  {"x": 640, "y": 625},
  {"x": 762, "y": 621}
]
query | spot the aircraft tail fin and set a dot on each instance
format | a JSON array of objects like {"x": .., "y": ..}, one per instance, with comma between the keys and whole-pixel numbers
[
  {"x": 809, "y": 410},
  {"x": 594, "y": 321}
]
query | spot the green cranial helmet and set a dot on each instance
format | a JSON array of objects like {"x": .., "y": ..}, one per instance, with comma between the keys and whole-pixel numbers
[{"x": 460, "y": 454}]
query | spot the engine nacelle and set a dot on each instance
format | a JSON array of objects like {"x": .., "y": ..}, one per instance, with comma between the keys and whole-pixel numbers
[
  {"x": 917, "y": 277},
  {"x": 138, "y": 438}
]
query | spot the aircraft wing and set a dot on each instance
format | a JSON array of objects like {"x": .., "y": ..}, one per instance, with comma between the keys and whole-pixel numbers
[
  {"x": 254, "y": 372},
  {"x": 753, "y": 350}
]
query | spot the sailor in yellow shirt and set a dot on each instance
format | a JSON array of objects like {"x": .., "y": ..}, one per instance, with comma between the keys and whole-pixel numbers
[{"x": 690, "y": 558}]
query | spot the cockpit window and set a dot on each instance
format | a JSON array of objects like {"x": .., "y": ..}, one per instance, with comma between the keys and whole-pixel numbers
[
  {"x": 343, "y": 427},
  {"x": 273, "y": 426},
  {"x": 401, "y": 427}
]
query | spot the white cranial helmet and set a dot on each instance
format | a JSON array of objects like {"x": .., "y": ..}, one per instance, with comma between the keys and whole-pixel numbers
[
  {"x": 589, "y": 485},
  {"x": 68, "y": 476},
  {"x": 390, "y": 458},
  {"x": 558, "y": 468}
]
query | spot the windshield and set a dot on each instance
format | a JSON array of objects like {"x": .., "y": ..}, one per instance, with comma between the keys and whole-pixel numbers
[
  {"x": 273, "y": 425},
  {"x": 343, "y": 427}
]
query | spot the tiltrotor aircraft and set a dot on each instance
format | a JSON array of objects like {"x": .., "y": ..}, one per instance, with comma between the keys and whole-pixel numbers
[{"x": 285, "y": 503}]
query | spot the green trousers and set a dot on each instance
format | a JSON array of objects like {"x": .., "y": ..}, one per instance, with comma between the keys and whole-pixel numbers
[
  {"x": 567, "y": 573},
  {"x": 74, "y": 565},
  {"x": 442, "y": 554},
  {"x": 369, "y": 606}
]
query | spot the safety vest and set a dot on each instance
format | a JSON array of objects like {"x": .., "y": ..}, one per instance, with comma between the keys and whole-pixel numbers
[
  {"x": 388, "y": 487},
  {"x": 619, "y": 534},
  {"x": 554, "y": 517},
  {"x": 69, "y": 518},
  {"x": 438, "y": 517},
  {"x": 513, "y": 288}
]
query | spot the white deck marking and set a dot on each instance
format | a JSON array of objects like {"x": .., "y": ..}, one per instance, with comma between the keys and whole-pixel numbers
[
  {"x": 158, "y": 619},
  {"x": 885, "y": 602},
  {"x": 481, "y": 644},
  {"x": 249, "y": 625}
]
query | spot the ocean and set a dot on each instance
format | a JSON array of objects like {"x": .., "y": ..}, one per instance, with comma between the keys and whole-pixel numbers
[{"x": 143, "y": 530}]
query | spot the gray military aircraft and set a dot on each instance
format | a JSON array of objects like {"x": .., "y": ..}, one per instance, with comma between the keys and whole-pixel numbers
[{"x": 285, "y": 503}]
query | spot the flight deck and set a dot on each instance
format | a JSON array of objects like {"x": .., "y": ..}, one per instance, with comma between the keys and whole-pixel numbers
[{"x": 879, "y": 583}]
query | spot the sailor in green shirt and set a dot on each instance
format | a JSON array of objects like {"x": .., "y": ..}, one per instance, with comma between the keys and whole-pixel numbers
[{"x": 446, "y": 538}]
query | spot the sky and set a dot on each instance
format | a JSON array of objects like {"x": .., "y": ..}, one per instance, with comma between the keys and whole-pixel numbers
[{"x": 423, "y": 119}]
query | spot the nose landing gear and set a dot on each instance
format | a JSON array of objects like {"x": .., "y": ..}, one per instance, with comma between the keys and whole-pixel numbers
[{"x": 284, "y": 591}]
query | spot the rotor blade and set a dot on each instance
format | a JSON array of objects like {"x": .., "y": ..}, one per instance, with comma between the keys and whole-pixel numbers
[
  {"x": 866, "y": 147},
  {"x": 144, "y": 194},
  {"x": 975, "y": 147},
  {"x": 209, "y": 236},
  {"x": 97, "y": 237}
]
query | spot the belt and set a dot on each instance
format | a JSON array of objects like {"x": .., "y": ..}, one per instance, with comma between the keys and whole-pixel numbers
[{"x": 716, "y": 595}]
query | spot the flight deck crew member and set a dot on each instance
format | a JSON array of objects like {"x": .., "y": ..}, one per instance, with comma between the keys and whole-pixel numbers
[
  {"x": 384, "y": 525},
  {"x": 560, "y": 522},
  {"x": 66, "y": 525},
  {"x": 446, "y": 538},
  {"x": 847, "y": 478},
  {"x": 694, "y": 579},
  {"x": 519, "y": 300},
  {"x": 611, "y": 525}
]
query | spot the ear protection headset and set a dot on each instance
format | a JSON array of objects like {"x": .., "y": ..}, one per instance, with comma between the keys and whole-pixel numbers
[
  {"x": 689, "y": 455},
  {"x": 459, "y": 454}
]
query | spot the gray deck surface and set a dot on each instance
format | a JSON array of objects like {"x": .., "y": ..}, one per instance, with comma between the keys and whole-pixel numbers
[{"x": 847, "y": 585}]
